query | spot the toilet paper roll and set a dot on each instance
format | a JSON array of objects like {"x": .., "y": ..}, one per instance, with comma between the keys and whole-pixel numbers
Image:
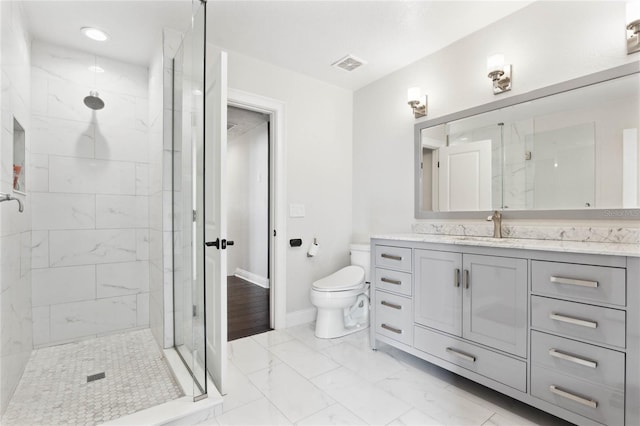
[{"x": 313, "y": 250}]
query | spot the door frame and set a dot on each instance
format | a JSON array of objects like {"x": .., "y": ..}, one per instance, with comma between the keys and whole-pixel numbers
[{"x": 277, "y": 169}]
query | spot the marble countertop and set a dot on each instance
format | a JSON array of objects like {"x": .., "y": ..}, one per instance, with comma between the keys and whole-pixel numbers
[{"x": 612, "y": 249}]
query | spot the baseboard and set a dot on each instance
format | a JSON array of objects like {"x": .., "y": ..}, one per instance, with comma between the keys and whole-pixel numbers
[
  {"x": 300, "y": 317},
  {"x": 252, "y": 278}
]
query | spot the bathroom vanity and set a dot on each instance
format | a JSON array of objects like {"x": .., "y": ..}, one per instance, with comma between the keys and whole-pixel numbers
[{"x": 550, "y": 323}]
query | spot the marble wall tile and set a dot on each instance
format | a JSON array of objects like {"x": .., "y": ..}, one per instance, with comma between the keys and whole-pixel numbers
[
  {"x": 62, "y": 137},
  {"x": 81, "y": 319},
  {"x": 142, "y": 115},
  {"x": 25, "y": 254},
  {"x": 142, "y": 179},
  {"x": 122, "y": 144},
  {"x": 86, "y": 247},
  {"x": 52, "y": 286},
  {"x": 41, "y": 325},
  {"x": 39, "y": 249},
  {"x": 142, "y": 244},
  {"x": 121, "y": 279},
  {"x": 63, "y": 211},
  {"x": 121, "y": 211},
  {"x": 142, "y": 312},
  {"x": 39, "y": 173},
  {"x": 79, "y": 175}
]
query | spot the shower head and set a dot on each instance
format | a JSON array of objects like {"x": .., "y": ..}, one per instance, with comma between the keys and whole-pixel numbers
[{"x": 93, "y": 101}]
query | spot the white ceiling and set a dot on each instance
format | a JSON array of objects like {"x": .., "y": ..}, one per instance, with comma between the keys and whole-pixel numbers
[{"x": 304, "y": 36}]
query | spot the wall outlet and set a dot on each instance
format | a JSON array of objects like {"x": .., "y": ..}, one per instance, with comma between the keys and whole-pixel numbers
[{"x": 296, "y": 210}]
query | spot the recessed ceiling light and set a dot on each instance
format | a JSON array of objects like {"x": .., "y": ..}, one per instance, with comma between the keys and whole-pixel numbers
[
  {"x": 95, "y": 68},
  {"x": 94, "y": 33}
]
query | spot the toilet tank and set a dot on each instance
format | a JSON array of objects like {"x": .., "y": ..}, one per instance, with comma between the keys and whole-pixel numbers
[{"x": 361, "y": 256}]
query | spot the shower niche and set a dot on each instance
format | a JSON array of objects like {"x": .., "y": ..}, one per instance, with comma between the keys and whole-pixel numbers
[{"x": 19, "y": 171}]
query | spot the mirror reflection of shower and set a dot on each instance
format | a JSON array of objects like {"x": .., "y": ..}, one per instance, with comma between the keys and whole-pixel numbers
[{"x": 93, "y": 101}]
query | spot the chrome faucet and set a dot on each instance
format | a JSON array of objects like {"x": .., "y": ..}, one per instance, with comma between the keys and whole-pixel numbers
[
  {"x": 9, "y": 197},
  {"x": 497, "y": 224}
]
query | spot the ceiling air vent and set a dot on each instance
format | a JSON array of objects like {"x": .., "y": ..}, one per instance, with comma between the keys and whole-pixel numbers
[{"x": 349, "y": 63}]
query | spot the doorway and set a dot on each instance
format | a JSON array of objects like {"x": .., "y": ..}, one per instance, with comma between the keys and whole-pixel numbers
[{"x": 248, "y": 221}]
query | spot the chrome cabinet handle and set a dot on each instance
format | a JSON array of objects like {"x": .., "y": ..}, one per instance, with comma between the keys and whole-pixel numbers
[
  {"x": 574, "y": 321},
  {"x": 456, "y": 277},
  {"x": 391, "y": 305},
  {"x": 392, "y": 329},
  {"x": 390, "y": 281},
  {"x": 574, "y": 281},
  {"x": 462, "y": 355},
  {"x": 563, "y": 393},
  {"x": 572, "y": 358},
  {"x": 391, "y": 256},
  {"x": 465, "y": 279}
]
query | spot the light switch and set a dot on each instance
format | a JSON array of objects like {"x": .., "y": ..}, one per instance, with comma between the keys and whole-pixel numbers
[{"x": 296, "y": 210}]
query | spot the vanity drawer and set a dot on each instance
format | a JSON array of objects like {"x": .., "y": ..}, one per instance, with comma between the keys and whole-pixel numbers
[
  {"x": 599, "y": 403},
  {"x": 588, "y": 362},
  {"x": 498, "y": 367},
  {"x": 398, "y": 282},
  {"x": 586, "y": 322},
  {"x": 398, "y": 258},
  {"x": 394, "y": 317},
  {"x": 601, "y": 284}
]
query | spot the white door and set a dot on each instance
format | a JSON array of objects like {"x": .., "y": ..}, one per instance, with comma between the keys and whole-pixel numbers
[
  {"x": 215, "y": 199},
  {"x": 465, "y": 176}
]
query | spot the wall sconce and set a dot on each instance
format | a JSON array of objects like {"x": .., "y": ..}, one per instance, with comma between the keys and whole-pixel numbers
[
  {"x": 499, "y": 73},
  {"x": 417, "y": 102},
  {"x": 633, "y": 27}
]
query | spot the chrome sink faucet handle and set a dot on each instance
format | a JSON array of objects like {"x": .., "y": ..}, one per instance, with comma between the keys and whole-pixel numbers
[
  {"x": 9, "y": 197},
  {"x": 497, "y": 223}
]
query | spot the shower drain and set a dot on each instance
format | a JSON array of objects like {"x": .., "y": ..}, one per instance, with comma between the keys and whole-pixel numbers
[{"x": 96, "y": 376}]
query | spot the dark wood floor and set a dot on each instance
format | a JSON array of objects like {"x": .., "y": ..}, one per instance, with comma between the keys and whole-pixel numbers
[{"x": 247, "y": 308}]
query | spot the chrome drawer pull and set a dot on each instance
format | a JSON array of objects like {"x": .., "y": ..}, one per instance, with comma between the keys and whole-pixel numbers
[
  {"x": 563, "y": 393},
  {"x": 390, "y": 281},
  {"x": 558, "y": 354},
  {"x": 574, "y": 321},
  {"x": 392, "y": 329},
  {"x": 391, "y": 305},
  {"x": 391, "y": 256},
  {"x": 573, "y": 281},
  {"x": 456, "y": 277},
  {"x": 465, "y": 278},
  {"x": 462, "y": 355}
]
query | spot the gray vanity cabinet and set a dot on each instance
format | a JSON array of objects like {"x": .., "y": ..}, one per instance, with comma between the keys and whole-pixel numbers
[{"x": 480, "y": 298}]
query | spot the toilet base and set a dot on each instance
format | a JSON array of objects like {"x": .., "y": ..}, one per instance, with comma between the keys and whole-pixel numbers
[{"x": 330, "y": 324}]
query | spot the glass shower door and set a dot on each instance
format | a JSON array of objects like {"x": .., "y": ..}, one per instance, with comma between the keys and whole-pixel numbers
[{"x": 187, "y": 176}]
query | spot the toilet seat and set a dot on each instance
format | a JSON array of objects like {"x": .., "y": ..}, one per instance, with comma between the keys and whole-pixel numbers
[{"x": 348, "y": 278}]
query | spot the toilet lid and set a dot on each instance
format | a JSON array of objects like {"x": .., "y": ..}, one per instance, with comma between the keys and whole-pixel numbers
[{"x": 347, "y": 278}]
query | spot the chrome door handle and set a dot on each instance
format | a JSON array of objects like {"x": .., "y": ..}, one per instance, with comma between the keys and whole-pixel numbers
[
  {"x": 563, "y": 393},
  {"x": 571, "y": 358},
  {"x": 574, "y": 321},
  {"x": 392, "y": 329},
  {"x": 391, "y": 256},
  {"x": 391, "y": 305},
  {"x": 462, "y": 355},
  {"x": 574, "y": 281},
  {"x": 390, "y": 281}
]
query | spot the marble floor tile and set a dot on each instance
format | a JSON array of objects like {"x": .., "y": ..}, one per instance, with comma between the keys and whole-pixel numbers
[
  {"x": 272, "y": 338},
  {"x": 370, "y": 365},
  {"x": 260, "y": 412},
  {"x": 239, "y": 389},
  {"x": 335, "y": 414},
  {"x": 290, "y": 392},
  {"x": 249, "y": 356},
  {"x": 303, "y": 359},
  {"x": 415, "y": 418}
]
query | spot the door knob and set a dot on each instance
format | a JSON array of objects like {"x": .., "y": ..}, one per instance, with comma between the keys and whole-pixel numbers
[{"x": 215, "y": 243}]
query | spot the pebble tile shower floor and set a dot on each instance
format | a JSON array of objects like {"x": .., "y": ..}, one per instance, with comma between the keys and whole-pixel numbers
[{"x": 54, "y": 388}]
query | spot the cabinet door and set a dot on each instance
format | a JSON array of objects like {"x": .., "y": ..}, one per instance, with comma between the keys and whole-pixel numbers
[
  {"x": 494, "y": 302},
  {"x": 437, "y": 286}
]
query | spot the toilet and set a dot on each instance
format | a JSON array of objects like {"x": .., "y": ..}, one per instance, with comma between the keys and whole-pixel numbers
[{"x": 342, "y": 298}]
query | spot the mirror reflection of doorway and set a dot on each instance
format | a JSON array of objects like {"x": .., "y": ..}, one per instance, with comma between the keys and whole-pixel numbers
[{"x": 248, "y": 177}]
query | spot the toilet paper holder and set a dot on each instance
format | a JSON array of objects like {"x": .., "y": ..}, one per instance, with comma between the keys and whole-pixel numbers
[{"x": 314, "y": 248}]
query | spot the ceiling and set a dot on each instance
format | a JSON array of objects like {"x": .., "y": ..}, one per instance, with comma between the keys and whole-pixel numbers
[{"x": 304, "y": 36}]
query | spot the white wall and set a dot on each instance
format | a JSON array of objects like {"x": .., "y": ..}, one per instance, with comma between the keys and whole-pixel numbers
[
  {"x": 547, "y": 42},
  {"x": 318, "y": 131},
  {"x": 16, "y": 337},
  {"x": 89, "y": 196},
  {"x": 248, "y": 206}
]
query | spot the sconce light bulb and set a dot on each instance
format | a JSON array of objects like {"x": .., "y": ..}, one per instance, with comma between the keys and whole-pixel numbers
[
  {"x": 633, "y": 13},
  {"x": 495, "y": 63},
  {"x": 413, "y": 94}
]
